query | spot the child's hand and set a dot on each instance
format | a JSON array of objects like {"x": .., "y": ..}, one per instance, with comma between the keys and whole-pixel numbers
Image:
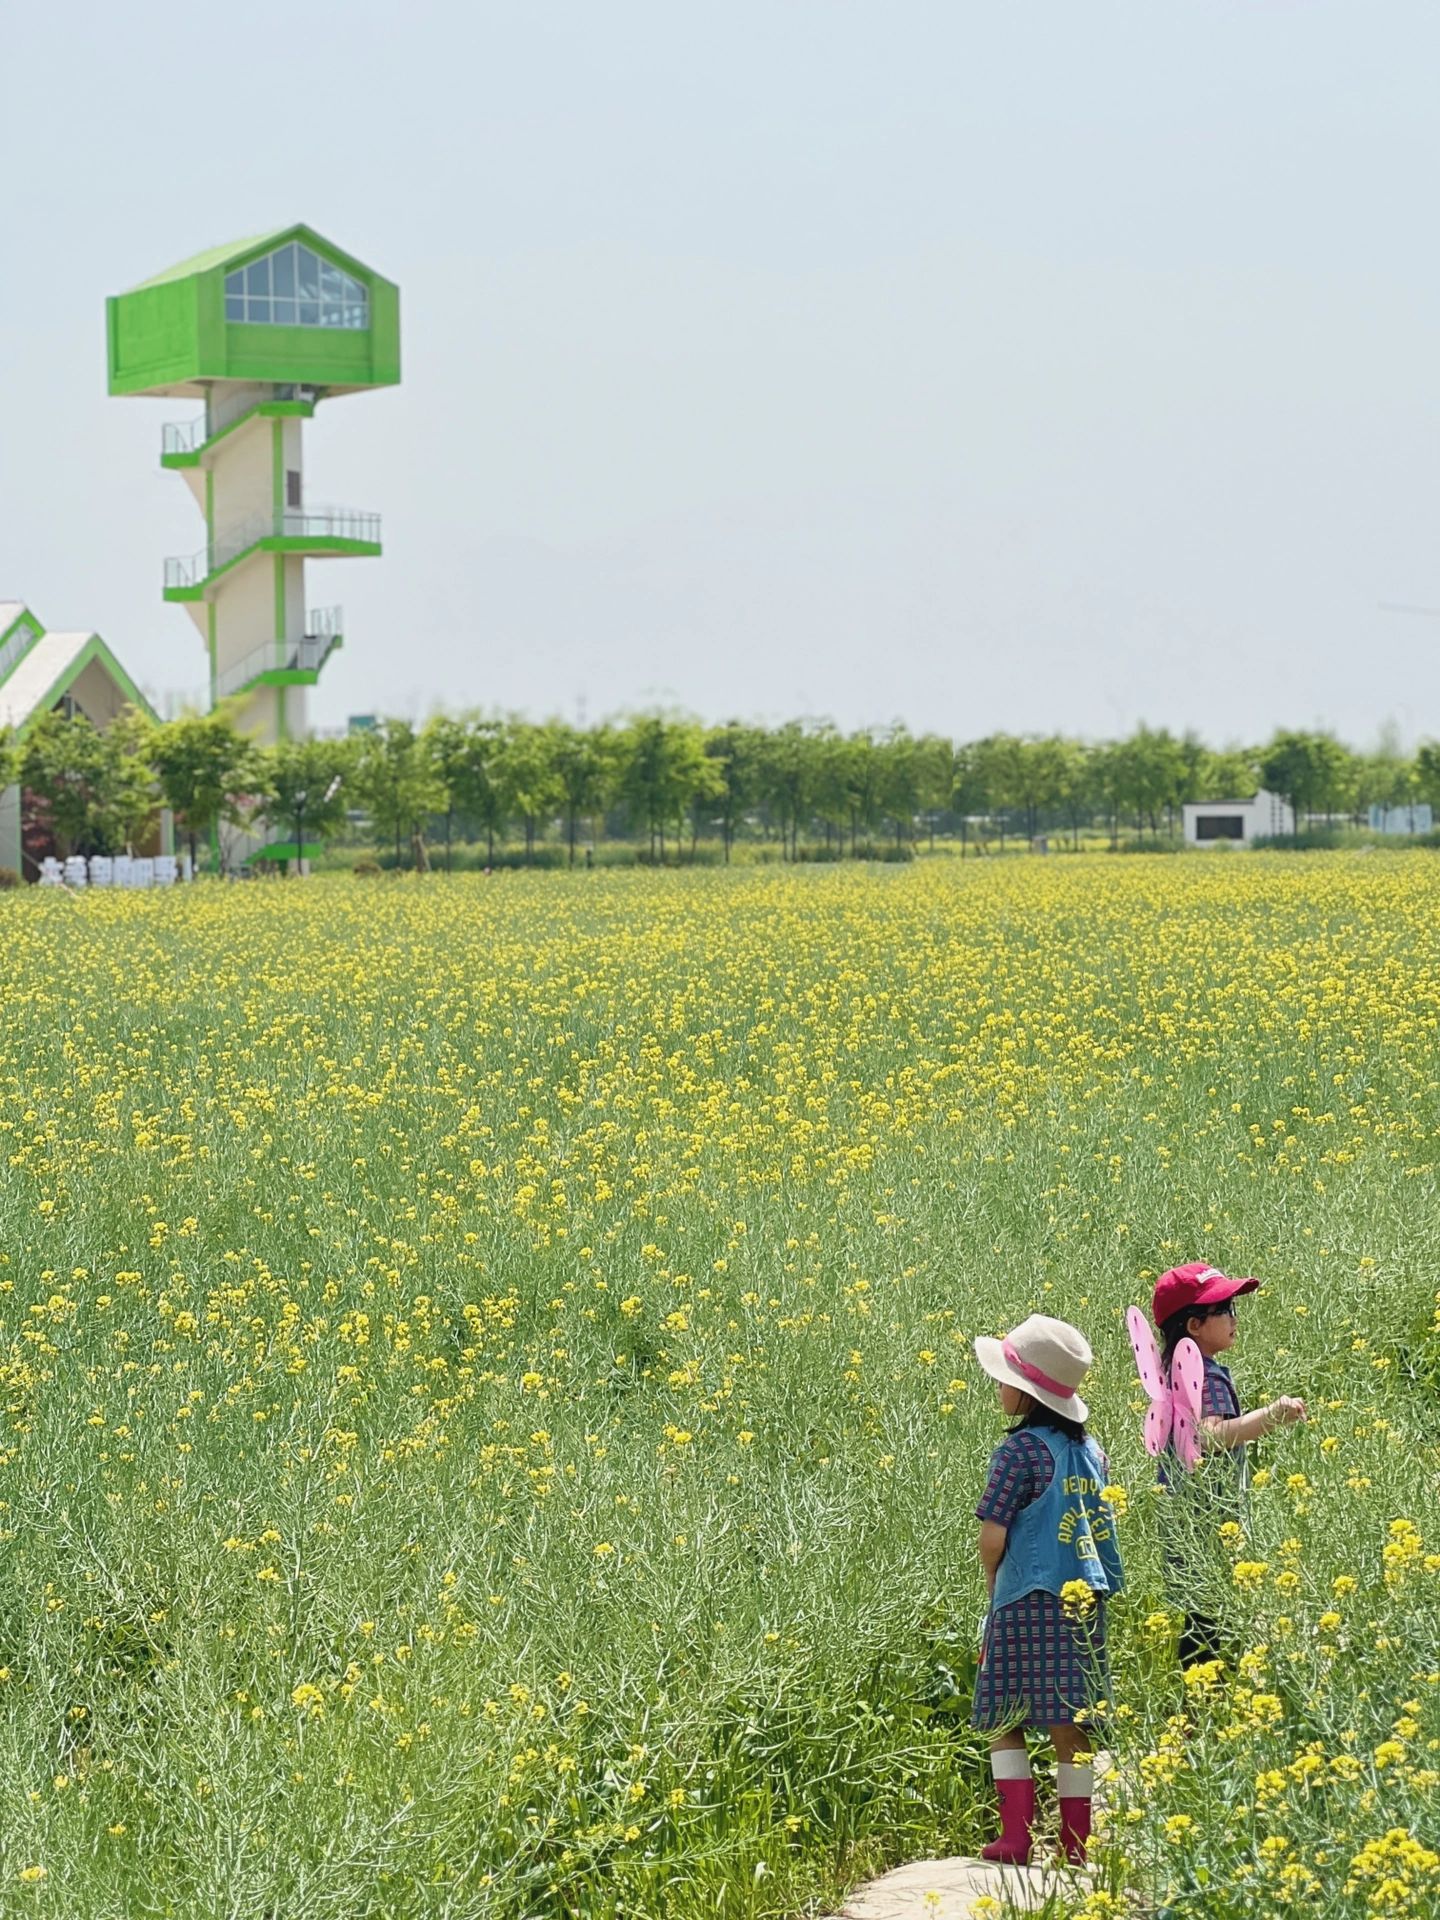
[{"x": 1286, "y": 1410}]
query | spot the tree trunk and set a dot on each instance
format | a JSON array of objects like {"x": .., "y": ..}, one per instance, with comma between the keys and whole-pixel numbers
[{"x": 449, "y": 823}]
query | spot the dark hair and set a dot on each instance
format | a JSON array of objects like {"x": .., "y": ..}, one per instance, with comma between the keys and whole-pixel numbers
[
  {"x": 1039, "y": 1416},
  {"x": 1176, "y": 1326}
]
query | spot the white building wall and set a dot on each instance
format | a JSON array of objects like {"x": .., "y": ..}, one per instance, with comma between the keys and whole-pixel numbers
[
  {"x": 245, "y": 624},
  {"x": 244, "y": 473},
  {"x": 292, "y": 443},
  {"x": 247, "y": 618},
  {"x": 296, "y": 712},
  {"x": 97, "y": 695},
  {"x": 1270, "y": 815},
  {"x": 228, "y": 399},
  {"x": 1264, "y": 815},
  {"x": 294, "y": 597},
  {"x": 257, "y": 717}
]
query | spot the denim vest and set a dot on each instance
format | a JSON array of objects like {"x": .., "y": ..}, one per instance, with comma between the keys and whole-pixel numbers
[{"x": 1067, "y": 1534}]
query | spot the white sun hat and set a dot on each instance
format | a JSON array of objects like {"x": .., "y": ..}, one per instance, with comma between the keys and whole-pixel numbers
[{"x": 1043, "y": 1357}]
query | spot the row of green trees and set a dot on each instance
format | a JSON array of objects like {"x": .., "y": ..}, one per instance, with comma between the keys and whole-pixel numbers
[{"x": 667, "y": 780}]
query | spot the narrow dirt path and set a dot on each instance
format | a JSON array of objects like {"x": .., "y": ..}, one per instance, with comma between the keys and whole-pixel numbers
[{"x": 948, "y": 1890}]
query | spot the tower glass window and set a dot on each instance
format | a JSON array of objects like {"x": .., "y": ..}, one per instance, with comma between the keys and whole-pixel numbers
[{"x": 294, "y": 287}]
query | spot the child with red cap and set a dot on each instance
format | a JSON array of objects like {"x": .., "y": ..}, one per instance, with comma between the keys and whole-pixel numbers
[{"x": 1197, "y": 1302}]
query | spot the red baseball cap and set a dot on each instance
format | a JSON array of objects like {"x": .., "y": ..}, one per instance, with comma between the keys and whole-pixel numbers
[{"x": 1194, "y": 1286}]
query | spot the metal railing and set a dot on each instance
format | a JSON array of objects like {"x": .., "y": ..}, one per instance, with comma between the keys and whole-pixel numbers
[
  {"x": 330, "y": 523},
  {"x": 306, "y": 655},
  {"x": 183, "y": 436},
  {"x": 319, "y": 523},
  {"x": 328, "y": 622},
  {"x": 222, "y": 411}
]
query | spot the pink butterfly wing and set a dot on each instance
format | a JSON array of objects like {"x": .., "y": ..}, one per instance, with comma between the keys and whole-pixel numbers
[
  {"x": 1147, "y": 1354},
  {"x": 1157, "y": 1425},
  {"x": 1187, "y": 1384},
  {"x": 1147, "y": 1359}
]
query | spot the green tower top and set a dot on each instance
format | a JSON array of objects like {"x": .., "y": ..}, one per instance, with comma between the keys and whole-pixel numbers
[{"x": 284, "y": 308}]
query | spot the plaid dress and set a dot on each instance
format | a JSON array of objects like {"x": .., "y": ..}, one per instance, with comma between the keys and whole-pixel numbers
[{"x": 1036, "y": 1666}]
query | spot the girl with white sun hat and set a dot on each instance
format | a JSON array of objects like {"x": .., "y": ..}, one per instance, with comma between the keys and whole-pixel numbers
[{"x": 1048, "y": 1547}]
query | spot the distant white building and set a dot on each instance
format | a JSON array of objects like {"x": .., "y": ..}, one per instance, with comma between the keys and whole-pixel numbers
[
  {"x": 1208, "y": 822},
  {"x": 77, "y": 673}
]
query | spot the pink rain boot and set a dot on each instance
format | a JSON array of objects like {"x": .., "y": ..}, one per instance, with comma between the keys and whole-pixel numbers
[
  {"x": 1076, "y": 1788},
  {"x": 1017, "y": 1816}
]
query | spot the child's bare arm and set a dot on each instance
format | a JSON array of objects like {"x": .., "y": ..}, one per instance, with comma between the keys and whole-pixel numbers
[
  {"x": 992, "y": 1551},
  {"x": 1245, "y": 1427}
]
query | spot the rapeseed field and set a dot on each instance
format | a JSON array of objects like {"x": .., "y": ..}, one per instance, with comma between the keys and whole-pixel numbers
[{"x": 489, "y": 1424}]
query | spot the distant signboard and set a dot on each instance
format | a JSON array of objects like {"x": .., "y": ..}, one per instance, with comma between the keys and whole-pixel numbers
[{"x": 361, "y": 723}]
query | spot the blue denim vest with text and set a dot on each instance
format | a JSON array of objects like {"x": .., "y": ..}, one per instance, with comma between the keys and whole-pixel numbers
[{"x": 1068, "y": 1533}]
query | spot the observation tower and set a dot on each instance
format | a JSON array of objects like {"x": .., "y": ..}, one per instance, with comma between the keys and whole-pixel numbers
[{"x": 261, "y": 332}]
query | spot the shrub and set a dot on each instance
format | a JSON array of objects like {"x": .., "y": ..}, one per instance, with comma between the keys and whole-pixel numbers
[
  {"x": 1308, "y": 840},
  {"x": 8, "y": 878},
  {"x": 365, "y": 869}
]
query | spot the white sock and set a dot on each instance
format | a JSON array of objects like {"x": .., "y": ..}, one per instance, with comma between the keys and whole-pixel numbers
[
  {"x": 1009, "y": 1763},
  {"x": 1074, "y": 1783}
]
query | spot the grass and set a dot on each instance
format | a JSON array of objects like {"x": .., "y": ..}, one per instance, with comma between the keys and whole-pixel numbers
[{"x": 489, "y": 1418}]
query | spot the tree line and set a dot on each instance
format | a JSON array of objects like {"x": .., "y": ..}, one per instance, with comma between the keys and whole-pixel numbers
[{"x": 668, "y": 782}]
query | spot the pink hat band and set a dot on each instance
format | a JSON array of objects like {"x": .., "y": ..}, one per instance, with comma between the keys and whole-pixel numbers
[{"x": 1034, "y": 1375}]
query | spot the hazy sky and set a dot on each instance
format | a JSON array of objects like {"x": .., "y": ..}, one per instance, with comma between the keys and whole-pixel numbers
[{"x": 1002, "y": 364}]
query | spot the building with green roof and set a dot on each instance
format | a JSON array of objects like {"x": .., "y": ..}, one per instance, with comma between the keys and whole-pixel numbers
[
  {"x": 261, "y": 331},
  {"x": 41, "y": 670}
]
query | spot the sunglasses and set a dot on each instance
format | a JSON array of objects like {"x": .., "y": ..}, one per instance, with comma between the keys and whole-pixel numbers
[{"x": 1225, "y": 1311}]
